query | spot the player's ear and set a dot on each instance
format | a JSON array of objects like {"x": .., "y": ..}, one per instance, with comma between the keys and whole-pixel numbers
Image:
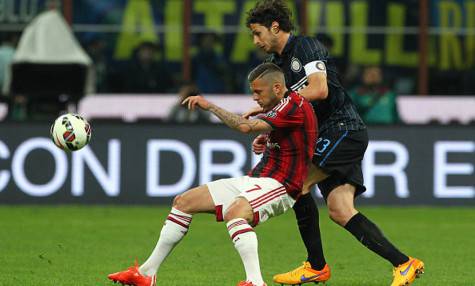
[
  {"x": 277, "y": 87},
  {"x": 275, "y": 27}
]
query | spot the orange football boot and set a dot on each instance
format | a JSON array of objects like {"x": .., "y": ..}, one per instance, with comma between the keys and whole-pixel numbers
[
  {"x": 407, "y": 272},
  {"x": 132, "y": 276},
  {"x": 303, "y": 274}
]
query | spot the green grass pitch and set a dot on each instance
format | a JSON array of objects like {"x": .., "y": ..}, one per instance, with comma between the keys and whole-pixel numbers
[{"x": 72, "y": 245}]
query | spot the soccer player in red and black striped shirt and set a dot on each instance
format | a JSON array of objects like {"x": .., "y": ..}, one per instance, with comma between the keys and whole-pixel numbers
[
  {"x": 270, "y": 189},
  {"x": 287, "y": 157}
]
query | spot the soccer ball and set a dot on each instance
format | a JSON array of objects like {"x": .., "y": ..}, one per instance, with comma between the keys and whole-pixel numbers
[{"x": 70, "y": 132}]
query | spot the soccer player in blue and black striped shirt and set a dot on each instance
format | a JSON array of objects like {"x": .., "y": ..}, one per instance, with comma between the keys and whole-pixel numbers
[{"x": 340, "y": 147}]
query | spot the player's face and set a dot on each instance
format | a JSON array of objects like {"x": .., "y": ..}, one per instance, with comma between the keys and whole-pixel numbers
[
  {"x": 263, "y": 38},
  {"x": 263, "y": 94}
]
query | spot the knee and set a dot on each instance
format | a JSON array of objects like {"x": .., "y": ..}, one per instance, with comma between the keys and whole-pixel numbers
[
  {"x": 308, "y": 185},
  {"x": 340, "y": 215},
  {"x": 307, "y": 188},
  {"x": 182, "y": 203},
  {"x": 230, "y": 214},
  {"x": 239, "y": 209}
]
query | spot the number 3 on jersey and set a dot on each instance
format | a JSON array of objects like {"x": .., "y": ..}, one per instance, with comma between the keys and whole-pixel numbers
[{"x": 322, "y": 145}]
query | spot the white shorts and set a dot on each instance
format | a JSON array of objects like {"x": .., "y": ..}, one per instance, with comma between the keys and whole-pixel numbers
[{"x": 267, "y": 196}]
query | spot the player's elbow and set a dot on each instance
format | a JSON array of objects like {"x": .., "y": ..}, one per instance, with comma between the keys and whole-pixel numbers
[
  {"x": 322, "y": 93},
  {"x": 243, "y": 128}
]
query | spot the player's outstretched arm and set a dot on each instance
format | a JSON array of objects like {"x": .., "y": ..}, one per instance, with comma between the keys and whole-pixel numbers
[
  {"x": 232, "y": 120},
  {"x": 239, "y": 123}
]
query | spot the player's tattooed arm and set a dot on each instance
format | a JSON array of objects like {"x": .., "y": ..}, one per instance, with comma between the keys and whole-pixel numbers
[
  {"x": 230, "y": 119},
  {"x": 239, "y": 123}
]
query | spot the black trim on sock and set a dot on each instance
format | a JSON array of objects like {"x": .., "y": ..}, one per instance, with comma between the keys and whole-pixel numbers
[
  {"x": 306, "y": 212},
  {"x": 368, "y": 234}
]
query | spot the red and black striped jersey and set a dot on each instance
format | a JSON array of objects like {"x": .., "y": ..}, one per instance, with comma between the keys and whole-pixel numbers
[{"x": 290, "y": 145}]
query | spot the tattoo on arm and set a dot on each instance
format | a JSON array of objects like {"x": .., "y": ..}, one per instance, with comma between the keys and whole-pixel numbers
[{"x": 233, "y": 120}]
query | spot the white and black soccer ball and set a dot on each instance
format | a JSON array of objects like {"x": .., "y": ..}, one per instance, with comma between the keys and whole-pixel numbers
[{"x": 70, "y": 132}]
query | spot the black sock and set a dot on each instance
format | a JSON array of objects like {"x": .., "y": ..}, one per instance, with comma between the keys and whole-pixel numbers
[
  {"x": 306, "y": 212},
  {"x": 370, "y": 236}
]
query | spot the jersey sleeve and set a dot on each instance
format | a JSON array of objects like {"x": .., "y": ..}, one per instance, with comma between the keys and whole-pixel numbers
[
  {"x": 313, "y": 56},
  {"x": 284, "y": 116}
]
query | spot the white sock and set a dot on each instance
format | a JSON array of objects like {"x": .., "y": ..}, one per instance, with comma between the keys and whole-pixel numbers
[
  {"x": 245, "y": 242},
  {"x": 174, "y": 229}
]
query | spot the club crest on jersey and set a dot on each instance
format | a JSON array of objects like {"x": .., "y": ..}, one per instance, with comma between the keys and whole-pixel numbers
[
  {"x": 271, "y": 114},
  {"x": 295, "y": 65}
]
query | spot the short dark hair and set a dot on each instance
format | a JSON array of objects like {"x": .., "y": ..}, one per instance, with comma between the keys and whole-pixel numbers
[
  {"x": 265, "y": 69},
  {"x": 267, "y": 11}
]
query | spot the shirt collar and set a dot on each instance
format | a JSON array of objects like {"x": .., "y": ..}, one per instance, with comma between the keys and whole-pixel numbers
[{"x": 288, "y": 46}]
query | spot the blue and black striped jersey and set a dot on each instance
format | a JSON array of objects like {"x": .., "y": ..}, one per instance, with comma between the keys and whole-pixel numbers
[{"x": 303, "y": 56}]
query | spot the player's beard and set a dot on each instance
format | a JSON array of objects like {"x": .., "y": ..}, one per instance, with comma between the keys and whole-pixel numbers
[
  {"x": 274, "y": 100},
  {"x": 273, "y": 45}
]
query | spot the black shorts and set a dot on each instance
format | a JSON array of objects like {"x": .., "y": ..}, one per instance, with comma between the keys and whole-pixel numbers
[{"x": 339, "y": 154}]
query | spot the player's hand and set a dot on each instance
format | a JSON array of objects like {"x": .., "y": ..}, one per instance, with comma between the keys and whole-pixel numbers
[
  {"x": 253, "y": 111},
  {"x": 197, "y": 100},
  {"x": 259, "y": 144}
]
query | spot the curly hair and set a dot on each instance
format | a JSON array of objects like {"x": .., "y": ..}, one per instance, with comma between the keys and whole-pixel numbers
[{"x": 267, "y": 11}]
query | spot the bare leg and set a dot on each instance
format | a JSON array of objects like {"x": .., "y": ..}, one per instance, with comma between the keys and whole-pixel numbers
[{"x": 197, "y": 200}]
